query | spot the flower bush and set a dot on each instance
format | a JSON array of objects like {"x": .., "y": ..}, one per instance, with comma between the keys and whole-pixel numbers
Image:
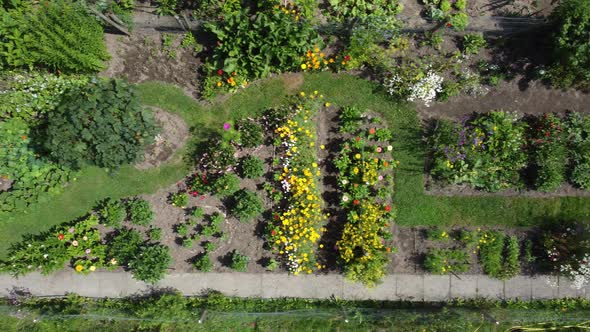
[
  {"x": 79, "y": 244},
  {"x": 363, "y": 169},
  {"x": 111, "y": 212},
  {"x": 252, "y": 167},
  {"x": 246, "y": 205},
  {"x": 296, "y": 223},
  {"x": 486, "y": 152},
  {"x": 139, "y": 211},
  {"x": 422, "y": 87}
]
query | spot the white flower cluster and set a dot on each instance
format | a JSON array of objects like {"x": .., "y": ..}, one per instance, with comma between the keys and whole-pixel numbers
[
  {"x": 579, "y": 276},
  {"x": 425, "y": 89}
]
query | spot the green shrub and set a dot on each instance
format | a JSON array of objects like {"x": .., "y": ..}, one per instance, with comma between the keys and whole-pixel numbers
[
  {"x": 549, "y": 154},
  {"x": 166, "y": 7},
  {"x": 197, "y": 212},
  {"x": 459, "y": 21},
  {"x": 125, "y": 245},
  {"x": 251, "y": 134},
  {"x": 365, "y": 10},
  {"x": 29, "y": 95},
  {"x": 151, "y": 263},
  {"x": 216, "y": 155},
  {"x": 246, "y": 205},
  {"x": 436, "y": 234},
  {"x": 140, "y": 212},
  {"x": 578, "y": 138},
  {"x": 491, "y": 253},
  {"x": 255, "y": 45},
  {"x": 58, "y": 34},
  {"x": 272, "y": 264},
  {"x": 111, "y": 212},
  {"x": 511, "y": 266},
  {"x": 252, "y": 167},
  {"x": 239, "y": 262},
  {"x": 187, "y": 242},
  {"x": 203, "y": 263},
  {"x": 226, "y": 185},
  {"x": 155, "y": 234},
  {"x": 443, "y": 261},
  {"x": 179, "y": 199},
  {"x": 182, "y": 229},
  {"x": 571, "y": 41},
  {"x": 472, "y": 42},
  {"x": 100, "y": 124},
  {"x": 33, "y": 179},
  {"x": 349, "y": 118}
]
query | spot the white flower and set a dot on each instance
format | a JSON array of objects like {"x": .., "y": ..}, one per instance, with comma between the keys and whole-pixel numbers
[
  {"x": 45, "y": 256},
  {"x": 389, "y": 148},
  {"x": 345, "y": 198}
]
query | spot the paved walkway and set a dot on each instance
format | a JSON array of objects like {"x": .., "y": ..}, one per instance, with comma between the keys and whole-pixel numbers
[{"x": 394, "y": 287}]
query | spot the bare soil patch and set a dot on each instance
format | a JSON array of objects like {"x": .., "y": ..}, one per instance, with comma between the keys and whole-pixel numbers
[
  {"x": 173, "y": 136},
  {"x": 142, "y": 57}
]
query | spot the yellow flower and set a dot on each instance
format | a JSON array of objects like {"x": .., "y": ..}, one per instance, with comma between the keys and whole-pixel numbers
[
  {"x": 92, "y": 268},
  {"x": 322, "y": 147},
  {"x": 219, "y": 84},
  {"x": 327, "y": 104},
  {"x": 303, "y": 66},
  {"x": 79, "y": 268}
]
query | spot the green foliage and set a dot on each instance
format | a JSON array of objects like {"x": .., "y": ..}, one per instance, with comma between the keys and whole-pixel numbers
[
  {"x": 511, "y": 266},
  {"x": 578, "y": 137},
  {"x": 28, "y": 95},
  {"x": 349, "y": 118},
  {"x": 44, "y": 36},
  {"x": 166, "y": 7},
  {"x": 226, "y": 185},
  {"x": 459, "y": 21},
  {"x": 203, "y": 263},
  {"x": 251, "y": 134},
  {"x": 365, "y": 10},
  {"x": 272, "y": 264},
  {"x": 197, "y": 212},
  {"x": 100, "y": 124},
  {"x": 549, "y": 154},
  {"x": 33, "y": 179},
  {"x": 455, "y": 15},
  {"x": 189, "y": 42},
  {"x": 436, "y": 234},
  {"x": 433, "y": 39},
  {"x": 443, "y": 261},
  {"x": 269, "y": 41},
  {"x": 216, "y": 155},
  {"x": 499, "y": 255},
  {"x": 187, "y": 242},
  {"x": 125, "y": 245},
  {"x": 571, "y": 44},
  {"x": 565, "y": 242},
  {"x": 239, "y": 262},
  {"x": 155, "y": 234},
  {"x": 182, "y": 229},
  {"x": 246, "y": 205},
  {"x": 78, "y": 243},
  {"x": 472, "y": 42},
  {"x": 111, "y": 212},
  {"x": 485, "y": 152},
  {"x": 140, "y": 212},
  {"x": 179, "y": 199},
  {"x": 251, "y": 167},
  {"x": 151, "y": 263}
]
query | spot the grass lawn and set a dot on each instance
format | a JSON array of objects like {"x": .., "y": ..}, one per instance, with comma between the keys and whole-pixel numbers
[{"x": 414, "y": 207}]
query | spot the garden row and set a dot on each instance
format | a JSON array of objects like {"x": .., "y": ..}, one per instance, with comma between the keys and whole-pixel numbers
[
  {"x": 499, "y": 150},
  {"x": 562, "y": 248}
]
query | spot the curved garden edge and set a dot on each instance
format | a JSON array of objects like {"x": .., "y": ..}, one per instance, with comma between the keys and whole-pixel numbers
[{"x": 395, "y": 287}]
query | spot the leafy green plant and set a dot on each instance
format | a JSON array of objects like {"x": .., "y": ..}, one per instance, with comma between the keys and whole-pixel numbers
[
  {"x": 571, "y": 59},
  {"x": 349, "y": 118},
  {"x": 140, "y": 212},
  {"x": 472, "y": 42},
  {"x": 251, "y": 134},
  {"x": 155, "y": 234},
  {"x": 239, "y": 262},
  {"x": 491, "y": 251},
  {"x": 364, "y": 10},
  {"x": 111, "y": 212},
  {"x": 179, "y": 199},
  {"x": 549, "y": 154},
  {"x": 182, "y": 229},
  {"x": 203, "y": 263},
  {"x": 578, "y": 137},
  {"x": 197, "y": 212},
  {"x": 100, "y": 124},
  {"x": 511, "y": 266},
  {"x": 125, "y": 245},
  {"x": 251, "y": 167},
  {"x": 272, "y": 264},
  {"x": 42, "y": 36},
  {"x": 226, "y": 185},
  {"x": 246, "y": 205},
  {"x": 29, "y": 95},
  {"x": 433, "y": 39},
  {"x": 443, "y": 261},
  {"x": 189, "y": 42},
  {"x": 216, "y": 155},
  {"x": 151, "y": 263},
  {"x": 166, "y": 7},
  {"x": 436, "y": 234},
  {"x": 257, "y": 44},
  {"x": 187, "y": 242}
]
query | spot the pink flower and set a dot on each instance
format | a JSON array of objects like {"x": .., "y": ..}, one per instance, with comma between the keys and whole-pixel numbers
[
  {"x": 87, "y": 251},
  {"x": 380, "y": 177},
  {"x": 379, "y": 149},
  {"x": 71, "y": 230},
  {"x": 226, "y": 126}
]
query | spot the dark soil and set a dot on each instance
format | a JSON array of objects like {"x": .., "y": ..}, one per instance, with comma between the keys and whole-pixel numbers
[
  {"x": 173, "y": 135},
  {"x": 142, "y": 57}
]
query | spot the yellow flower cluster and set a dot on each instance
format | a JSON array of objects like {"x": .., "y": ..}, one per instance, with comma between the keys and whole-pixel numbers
[
  {"x": 363, "y": 231},
  {"x": 298, "y": 225},
  {"x": 315, "y": 60},
  {"x": 289, "y": 9}
]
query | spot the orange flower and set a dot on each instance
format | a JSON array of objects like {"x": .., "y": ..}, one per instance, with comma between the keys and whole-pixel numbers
[{"x": 23, "y": 137}]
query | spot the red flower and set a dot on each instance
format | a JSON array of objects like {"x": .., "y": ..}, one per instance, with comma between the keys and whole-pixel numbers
[
  {"x": 355, "y": 202},
  {"x": 387, "y": 208},
  {"x": 273, "y": 232},
  {"x": 220, "y": 72},
  {"x": 547, "y": 134},
  {"x": 60, "y": 237},
  {"x": 202, "y": 197},
  {"x": 276, "y": 216},
  {"x": 347, "y": 58},
  {"x": 358, "y": 138},
  {"x": 449, "y": 24},
  {"x": 372, "y": 131}
]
